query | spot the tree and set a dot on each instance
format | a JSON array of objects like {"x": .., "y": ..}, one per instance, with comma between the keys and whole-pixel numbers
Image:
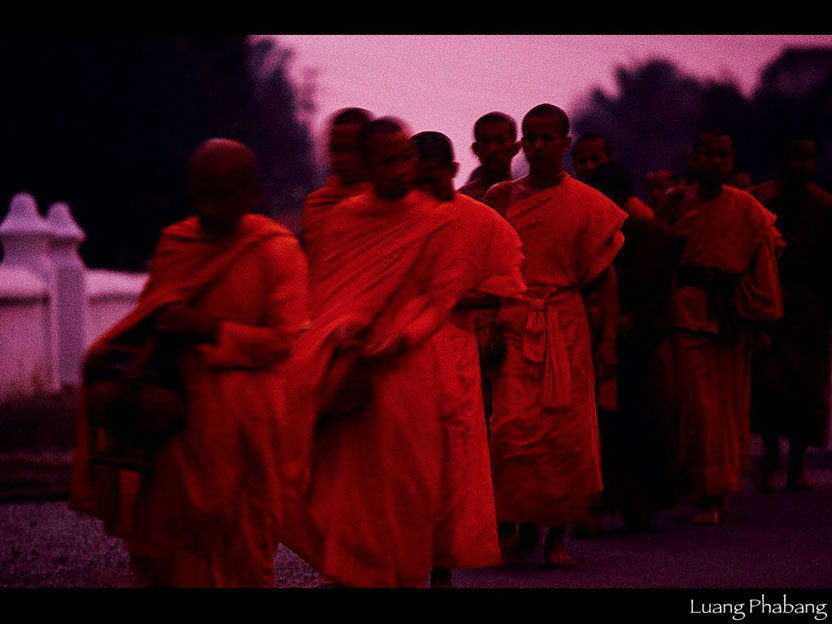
[
  {"x": 652, "y": 121},
  {"x": 105, "y": 122},
  {"x": 282, "y": 142},
  {"x": 648, "y": 122}
]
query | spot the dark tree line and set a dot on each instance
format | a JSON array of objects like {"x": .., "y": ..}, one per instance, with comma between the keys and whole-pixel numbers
[
  {"x": 105, "y": 122},
  {"x": 652, "y": 121}
]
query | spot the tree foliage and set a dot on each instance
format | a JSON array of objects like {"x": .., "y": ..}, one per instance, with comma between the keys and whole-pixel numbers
[
  {"x": 105, "y": 122},
  {"x": 652, "y": 120}
]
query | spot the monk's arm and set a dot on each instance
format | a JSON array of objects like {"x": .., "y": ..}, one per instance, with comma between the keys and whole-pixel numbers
[
  {"x": 605, "y": 290},
  {"x": 239, "y": 345},
  {"x": 497, "y": 197}
]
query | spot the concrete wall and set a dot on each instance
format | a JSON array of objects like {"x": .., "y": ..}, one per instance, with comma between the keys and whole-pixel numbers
[
  {"x": 111, "y": 295},
  {"x": 24, "y": 309},
  {"x": 51, "y": 306}
]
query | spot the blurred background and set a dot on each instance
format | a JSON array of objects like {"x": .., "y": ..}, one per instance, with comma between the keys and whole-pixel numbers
[{"x": 105, "y": 122}]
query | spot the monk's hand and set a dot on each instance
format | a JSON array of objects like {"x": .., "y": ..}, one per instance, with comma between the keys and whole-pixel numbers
[
  {"x": 387, "y": 348},
  {"x": 186, "y": 322}
]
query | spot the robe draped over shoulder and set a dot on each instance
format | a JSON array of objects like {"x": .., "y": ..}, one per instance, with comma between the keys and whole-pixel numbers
[
  {"x": 318, "y": 213},
  {"x": 207, "y": 515},
  {"x": 544, "y": 433},
  {"x": 727, "y": 278},
  {"x": 368, "y": 496}
]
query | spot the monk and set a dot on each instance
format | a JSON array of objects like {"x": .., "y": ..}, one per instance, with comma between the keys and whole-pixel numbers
[
  {"x": 790, "y": 387},
  {"x": 656, "y": 183},
  {"x": 347, "y": 179},
  {"x": 207, "y": 513},
  {"x": 467, "y": 533},
  {"x": 495, "y": 145},
  {"x": 367, "y": 516},
  {"x": 589, "y": 151},
  {"x": 593, "y": 149},
  {"x": 726, "y": 288},
  {"x": 545, "y": 450},
  {"x": 635, "y": 444}
]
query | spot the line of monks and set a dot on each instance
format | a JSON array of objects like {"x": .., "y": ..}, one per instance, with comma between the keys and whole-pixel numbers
[{"x": 432, "y": 375}]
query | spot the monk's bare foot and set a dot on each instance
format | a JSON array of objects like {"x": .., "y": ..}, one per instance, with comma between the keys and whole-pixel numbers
[
  {"x": 440, "y": 578},
  {"x": 708, "y": 517},
  {"x": 554, "y": 550},
  {"x": 800, "y": 485},
  {"x": 560, "y": 559}
]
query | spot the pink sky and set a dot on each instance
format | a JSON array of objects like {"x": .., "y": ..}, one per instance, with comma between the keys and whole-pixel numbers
[{"x": 445, "y": 82}]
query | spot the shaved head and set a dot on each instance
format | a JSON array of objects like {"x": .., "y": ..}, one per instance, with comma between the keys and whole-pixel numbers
[
  {"x": 223, "y": 184},
  {"x": 358, "y": 116},
  {"x": 549, "y": 111},
  {"x": 389, "y": 157},
  {"x": 223, "y": 160}
]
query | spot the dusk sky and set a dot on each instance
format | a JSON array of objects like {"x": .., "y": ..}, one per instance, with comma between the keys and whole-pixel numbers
[{"x": 445, "y": 82}]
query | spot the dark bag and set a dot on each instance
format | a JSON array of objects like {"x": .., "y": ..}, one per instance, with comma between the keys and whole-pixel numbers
[{"x": 135, "y": 399}]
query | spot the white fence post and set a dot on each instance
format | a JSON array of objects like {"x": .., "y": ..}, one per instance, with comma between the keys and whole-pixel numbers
[
  {"x": 26, "y": 237},
  {"x": 70, "y": 291}
]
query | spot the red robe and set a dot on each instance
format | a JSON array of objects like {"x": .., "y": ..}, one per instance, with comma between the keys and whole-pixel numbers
[
  {"x": 317, "y": 214},
  {"x": 467, "y": 533},
  {"x": 208, "y": 514},
  {"x": 706, "y": 356},
  {"x": 545, "y": 449},
  {"x": 365, "y": 511}
]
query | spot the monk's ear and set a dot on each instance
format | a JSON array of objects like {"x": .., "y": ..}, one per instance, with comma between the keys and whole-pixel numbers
[
  {"x": 567, "y": 142},
  {"x": 454, "y": 169},
  {"x": 515, "y": 149},
  {"x": 475, "y": 149}
]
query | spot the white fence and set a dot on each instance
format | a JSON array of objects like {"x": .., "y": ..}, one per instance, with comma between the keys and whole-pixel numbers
[{"x": 51, "y": 306}]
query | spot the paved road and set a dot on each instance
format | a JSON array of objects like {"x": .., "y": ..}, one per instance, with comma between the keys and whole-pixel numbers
[{"x": 775, "y": 540}]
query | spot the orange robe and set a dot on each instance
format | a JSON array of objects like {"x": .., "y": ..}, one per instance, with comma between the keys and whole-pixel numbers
[
  {"x": 317, "y": 214},
  {"x": 366, "y": 510},
  {"x": 545, "y": 450},
  {"x": 208, "y": 514},
  {"x": 706, "y": 356},
  {"x": 467, "y": 532},
  {"x": 485, "y": 321}
]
